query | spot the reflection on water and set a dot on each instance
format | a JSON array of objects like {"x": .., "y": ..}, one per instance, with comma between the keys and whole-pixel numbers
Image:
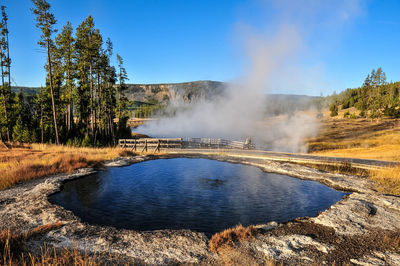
[{"x": 198, "y": 194}]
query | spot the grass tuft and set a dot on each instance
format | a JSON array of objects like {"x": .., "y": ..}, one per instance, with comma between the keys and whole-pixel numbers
[{"x": 230, "y": 236}]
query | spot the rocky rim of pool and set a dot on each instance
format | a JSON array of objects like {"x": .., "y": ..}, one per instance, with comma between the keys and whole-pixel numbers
[
  {"x": 202, "y": 195},
  {"x": 346, "y": 230}
]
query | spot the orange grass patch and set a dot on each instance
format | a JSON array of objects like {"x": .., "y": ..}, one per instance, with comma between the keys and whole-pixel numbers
[
  {"x": 230, "y": 236},
  {"x": 38, "y": 160},
  {"x": 42, "y": 229}
]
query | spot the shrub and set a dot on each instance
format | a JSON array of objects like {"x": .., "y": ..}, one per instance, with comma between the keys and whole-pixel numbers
[
  {"x": 20, "y": 132},
  {"x": 392, "y": 112},
  {"x": 347, "y": 114},
  {"x": 86, "y": 141},
  {"x": 75, "y": 142},
  {"x": 375, "y": 114},
  {"x": 334, "y": 110}
]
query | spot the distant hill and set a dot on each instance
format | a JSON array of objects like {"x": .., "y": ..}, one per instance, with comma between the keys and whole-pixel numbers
[
  {"x": 189, "y": 91},
  {"x": 204, "y": 89},
  {"x": 25, "y": 90},
  {"x": 192, "y": 91},
  {"x": 143, "y": 93}
]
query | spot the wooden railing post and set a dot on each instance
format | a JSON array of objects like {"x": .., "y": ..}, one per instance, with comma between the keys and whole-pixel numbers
[
  {"x": 157, "y": 148},
  {"x": 145, "y": 146}
]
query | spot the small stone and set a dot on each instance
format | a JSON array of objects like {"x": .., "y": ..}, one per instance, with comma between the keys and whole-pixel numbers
[{"x": 267, "y": 227}]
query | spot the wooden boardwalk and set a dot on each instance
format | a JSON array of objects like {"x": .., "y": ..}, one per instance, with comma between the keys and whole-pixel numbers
[{"x": 158, "y": 144}]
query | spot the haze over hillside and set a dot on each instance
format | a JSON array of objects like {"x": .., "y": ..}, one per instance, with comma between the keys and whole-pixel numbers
[{"x": 188, "y": 91}]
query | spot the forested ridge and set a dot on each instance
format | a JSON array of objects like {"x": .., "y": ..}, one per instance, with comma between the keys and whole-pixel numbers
[
  {"x": 375, "y": 98},
  {"x": 83, "y": 101}
]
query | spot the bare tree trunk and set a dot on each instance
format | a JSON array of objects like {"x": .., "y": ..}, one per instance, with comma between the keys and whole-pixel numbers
[
  {"x": 91, "y": 98},
  {"x": 119, "y": 100},
  {"x": 9, "y": 61},
  {"x": 9, "y": 85},
  {"x": 69, "y": 108},
  {"x": 112, "y": 130},
  {"x": 100, "y": 101},
  {"x": 66, "y": 117},
  {"x": 5, "y": 98},
  {"x": 52, "y": 91},
  {"x": 41, "y": 118}
]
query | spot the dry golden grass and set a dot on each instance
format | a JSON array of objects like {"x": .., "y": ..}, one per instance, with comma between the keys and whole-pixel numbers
[
  {"x": 14, "y": 252},
  {"x": 377, "y": 139},
  {"x": 12, "y": 245},
  {"x": 39, "y": 160},
  {"x": 230, "y": 236},
  {"x": 388, "y": 180},
  {"x": 64, "y": 257},
  {"x": 342, "y": 167},
  {"x": 358, "y": 138}
]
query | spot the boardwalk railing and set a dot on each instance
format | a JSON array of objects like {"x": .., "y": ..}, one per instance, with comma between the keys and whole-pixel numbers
[{"x": 156, "y": 144}]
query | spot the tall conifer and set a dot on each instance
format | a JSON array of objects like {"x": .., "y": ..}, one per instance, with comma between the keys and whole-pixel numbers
[{"x": 46, "y": 21}]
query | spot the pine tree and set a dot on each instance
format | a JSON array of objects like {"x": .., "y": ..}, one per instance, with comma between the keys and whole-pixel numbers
[
  {"x": 46, "y": 21},
  {"x": 122, "y": 102},
  {"x": 88, "y": 44},
  {"x": 365, "y": 91},
  {"x": 106, "y": 80},
  {"x": 5, "y": 64},
  {"x": 21, "y": 131},
  {"x": 66, "y": 49}
]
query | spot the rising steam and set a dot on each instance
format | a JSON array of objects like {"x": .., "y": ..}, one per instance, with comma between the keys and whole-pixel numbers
[{"x": 274, "y": 59}]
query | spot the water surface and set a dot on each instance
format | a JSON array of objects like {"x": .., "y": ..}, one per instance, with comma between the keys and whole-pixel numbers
[{"x": 198, "y": 194}]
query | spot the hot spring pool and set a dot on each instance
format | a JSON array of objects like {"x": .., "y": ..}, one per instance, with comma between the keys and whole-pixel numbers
[{"x": 199, "y": 194}]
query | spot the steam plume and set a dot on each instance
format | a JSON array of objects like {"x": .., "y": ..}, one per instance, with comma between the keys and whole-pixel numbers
[{"x": 274, "y": 59}]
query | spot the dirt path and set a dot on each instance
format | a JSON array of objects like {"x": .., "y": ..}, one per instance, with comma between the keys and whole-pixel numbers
[{"x": 291, "y": 157}]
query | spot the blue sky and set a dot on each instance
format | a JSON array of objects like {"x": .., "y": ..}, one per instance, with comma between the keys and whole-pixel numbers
[{"x": 185, "y": 40}]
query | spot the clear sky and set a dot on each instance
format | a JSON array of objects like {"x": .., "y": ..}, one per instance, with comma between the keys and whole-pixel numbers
[{"x": 185, "y": 40}]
